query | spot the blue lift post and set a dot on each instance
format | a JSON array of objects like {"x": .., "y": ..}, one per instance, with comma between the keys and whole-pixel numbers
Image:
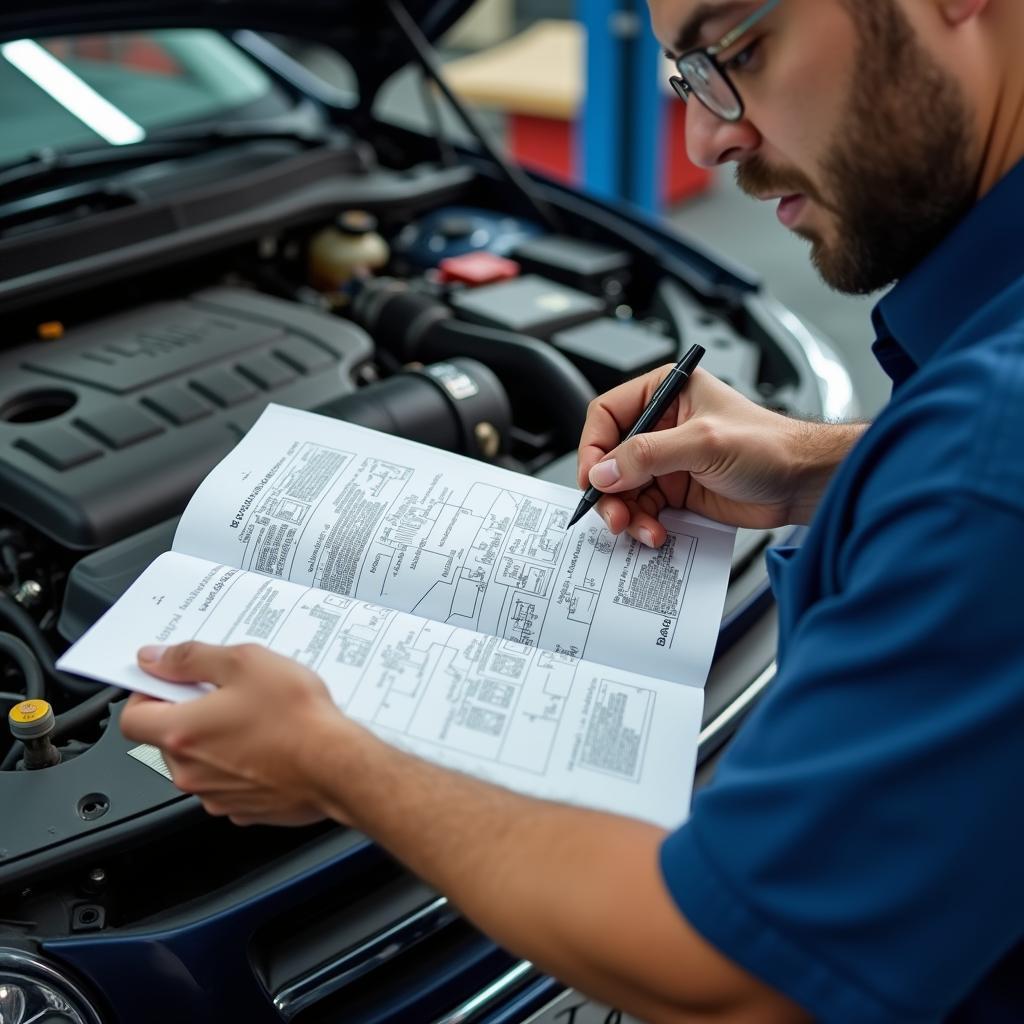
[{"x": 622, "y": 128}]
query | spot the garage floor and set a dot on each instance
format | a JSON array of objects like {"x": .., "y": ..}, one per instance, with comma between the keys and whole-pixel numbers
[{"x": 728, "y": 222}]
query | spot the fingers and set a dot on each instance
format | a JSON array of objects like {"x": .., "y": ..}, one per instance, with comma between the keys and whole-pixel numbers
[
  {"x": 165, "y": 724},
  {"x": 587, "y": 457},
  {"x": 615, "y": 512},
  {"x": 643, "y": 521},
  {"x": 692, "y": 448},
  {"x": 610, "y": 416},
  {"x": 644, "y": 525},
  {"x": 687, "y": 438},
  {"x": 136, "y": 699},
  {"x": 287, "y": 819},
  {"x": 259, "y": 808},
  {"x": 146, "y": 720},
  {"x": 636, "y": 515},
  {"x": 191, "y": 662},
  {"x": 195, "y": 662}
]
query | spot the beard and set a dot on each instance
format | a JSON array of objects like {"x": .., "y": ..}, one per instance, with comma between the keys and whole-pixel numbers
[{"x": 898, "y": 176}]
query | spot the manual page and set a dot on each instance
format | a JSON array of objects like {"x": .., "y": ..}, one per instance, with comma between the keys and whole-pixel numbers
[
  {"x": 358, "y": 513},
  {"x": 540, "y": 722}
]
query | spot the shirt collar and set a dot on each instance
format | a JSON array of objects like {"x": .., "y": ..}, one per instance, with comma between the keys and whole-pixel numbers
[{"x": 979, "y": 259}]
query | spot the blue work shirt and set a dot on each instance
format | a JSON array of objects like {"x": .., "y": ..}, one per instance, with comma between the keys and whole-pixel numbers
[{"x": 861, "y": 846}]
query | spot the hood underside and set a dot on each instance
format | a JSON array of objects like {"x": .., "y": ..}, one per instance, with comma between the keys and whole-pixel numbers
[{"x": 363, "y": 32}]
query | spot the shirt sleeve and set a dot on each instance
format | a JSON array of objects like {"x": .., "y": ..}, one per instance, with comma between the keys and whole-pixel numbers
[{"x": 860, "y": 846}]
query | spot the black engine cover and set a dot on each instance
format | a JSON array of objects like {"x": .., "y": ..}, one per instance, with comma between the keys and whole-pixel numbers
[{"x": 111, "y": 428}]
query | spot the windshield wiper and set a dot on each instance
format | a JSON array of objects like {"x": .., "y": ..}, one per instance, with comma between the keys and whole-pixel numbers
[{"x": 39, "y": 168}]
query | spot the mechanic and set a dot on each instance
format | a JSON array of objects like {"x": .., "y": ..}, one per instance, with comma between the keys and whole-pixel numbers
[{"x": 858, "y": 855}]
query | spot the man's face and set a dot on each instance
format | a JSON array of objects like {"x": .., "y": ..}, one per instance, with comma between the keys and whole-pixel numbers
[{"x": 850, "y": 123}]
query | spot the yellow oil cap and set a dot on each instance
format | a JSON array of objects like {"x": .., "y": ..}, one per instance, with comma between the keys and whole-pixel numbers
[{"x": 30, "y": 719}]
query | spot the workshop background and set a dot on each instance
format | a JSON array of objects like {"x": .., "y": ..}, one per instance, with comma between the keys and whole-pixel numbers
[{"x": 577, "y": 89}]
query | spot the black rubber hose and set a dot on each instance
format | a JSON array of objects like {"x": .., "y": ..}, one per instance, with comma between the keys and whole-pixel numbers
[
  {"x": 85, "y": 712},
  {"x": 522, "y": 363},
  {"x": 417, "y": 326},
  {"x": 68, "y": 721},
  {"x": 20, "y": 622},
  {"x": 21, "y": 654},
  {"x": 9, "y": 557}
]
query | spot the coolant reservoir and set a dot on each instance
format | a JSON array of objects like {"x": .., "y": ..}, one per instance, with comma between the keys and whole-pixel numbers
[{"x": 350, "y": 248}]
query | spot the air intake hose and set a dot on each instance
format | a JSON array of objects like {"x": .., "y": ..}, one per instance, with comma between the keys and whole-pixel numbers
[
  {"x": 458, "y": 405},
  {"x": 420, "y": 328}
]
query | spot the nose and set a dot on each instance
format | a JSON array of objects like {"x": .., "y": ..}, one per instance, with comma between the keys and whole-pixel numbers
[{"x": 711, "y": 142}]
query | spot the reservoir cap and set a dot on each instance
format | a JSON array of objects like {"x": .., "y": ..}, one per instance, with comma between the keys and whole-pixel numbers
[{"x": 31, "y": 719}]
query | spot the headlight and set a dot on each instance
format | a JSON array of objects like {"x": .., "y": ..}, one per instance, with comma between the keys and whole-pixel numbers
[{"x": 33, "y": 990}]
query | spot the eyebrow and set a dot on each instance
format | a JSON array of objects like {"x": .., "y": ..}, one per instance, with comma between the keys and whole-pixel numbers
[{"x": 690, "y": 33}]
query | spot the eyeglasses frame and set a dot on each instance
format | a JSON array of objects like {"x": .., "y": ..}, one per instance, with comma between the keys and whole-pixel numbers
[{"x": 682, "y": 87}]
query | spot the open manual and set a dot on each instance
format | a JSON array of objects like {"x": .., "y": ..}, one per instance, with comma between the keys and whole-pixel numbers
[{"x": 447, "y": 608}]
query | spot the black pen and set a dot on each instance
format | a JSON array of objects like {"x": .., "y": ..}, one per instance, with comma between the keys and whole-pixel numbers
[{"x": 666, "y": 394}]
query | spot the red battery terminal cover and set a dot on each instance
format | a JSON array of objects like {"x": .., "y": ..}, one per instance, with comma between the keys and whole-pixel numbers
[{"x": 477, "y": 268}]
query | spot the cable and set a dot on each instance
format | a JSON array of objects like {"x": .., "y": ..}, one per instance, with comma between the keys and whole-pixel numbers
[
  {"x": 448, "y": 155},
  {"x": 82, "y": 713},
  {"x": 21, "y": 654},
  {"x": 19, "y": 621},
  {"x": 427, "y": 59}
]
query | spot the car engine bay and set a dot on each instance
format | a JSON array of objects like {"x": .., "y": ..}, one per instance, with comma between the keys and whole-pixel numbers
[{"x": 149, "y": 319}]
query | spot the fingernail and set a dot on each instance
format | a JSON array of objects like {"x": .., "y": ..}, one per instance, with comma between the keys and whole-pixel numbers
[
  {"x": 152, "y": 652},
  {"x": 604, "y": 474},
  {"x": 645, "y": 537}
]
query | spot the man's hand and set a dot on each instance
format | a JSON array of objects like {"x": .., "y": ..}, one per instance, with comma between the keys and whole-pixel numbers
[
  {"x": 577, "y": 892},
  {"x": 715, "y": 453},
  {"x": 246, "y": 749}
]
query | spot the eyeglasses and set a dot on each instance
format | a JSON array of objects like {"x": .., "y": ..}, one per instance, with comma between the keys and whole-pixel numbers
[{"x": 701, "y": 73}]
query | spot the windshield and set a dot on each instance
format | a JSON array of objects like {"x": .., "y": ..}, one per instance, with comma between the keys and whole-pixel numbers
[{"x": 118, "y": 87}]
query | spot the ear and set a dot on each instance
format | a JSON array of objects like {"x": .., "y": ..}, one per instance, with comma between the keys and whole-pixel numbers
[{"x": 956, "y": 12}]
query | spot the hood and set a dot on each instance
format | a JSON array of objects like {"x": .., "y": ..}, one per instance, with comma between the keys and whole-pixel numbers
[{"x": 361, "y": 30}]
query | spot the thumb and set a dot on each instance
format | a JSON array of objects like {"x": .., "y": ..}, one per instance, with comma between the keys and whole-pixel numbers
[
  {"x": 190, "y": 662},
  {"x": 637, "y": 461}
]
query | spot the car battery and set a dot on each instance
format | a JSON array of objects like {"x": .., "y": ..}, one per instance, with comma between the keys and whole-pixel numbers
[
  {"x": 528, "y": 305},
  {"x": 609, "y": 352},
  {"x": 589, "y": 266}
]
